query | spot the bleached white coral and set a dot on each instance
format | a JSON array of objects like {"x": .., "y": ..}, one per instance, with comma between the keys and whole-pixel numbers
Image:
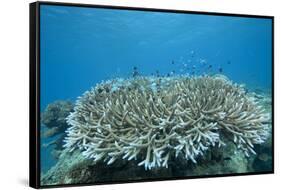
[{"x": 153, "y": 119}]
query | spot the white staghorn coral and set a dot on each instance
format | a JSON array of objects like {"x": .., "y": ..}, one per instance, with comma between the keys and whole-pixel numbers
[{"x": 154, "y": 119}]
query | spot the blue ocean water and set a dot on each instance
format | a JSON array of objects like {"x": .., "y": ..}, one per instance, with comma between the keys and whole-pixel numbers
[{"x": 81, "y": 46}]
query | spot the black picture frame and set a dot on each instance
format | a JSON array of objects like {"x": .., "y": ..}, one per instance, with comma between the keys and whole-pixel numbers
[{"x": 34, "y": 89}]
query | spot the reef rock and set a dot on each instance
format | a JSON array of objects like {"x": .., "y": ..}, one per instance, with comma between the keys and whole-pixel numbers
[
  {"x": 74, "y": 168},
  {"x": 53, "y": 124}
]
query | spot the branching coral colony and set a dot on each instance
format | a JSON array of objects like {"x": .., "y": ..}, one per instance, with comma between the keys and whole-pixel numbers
[{"x": 153, "y": 119}]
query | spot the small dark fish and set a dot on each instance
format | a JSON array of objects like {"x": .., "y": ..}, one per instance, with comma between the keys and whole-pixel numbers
[
  {"x": 168, "y": 74},
  {"x": 135, "y": 68},
  {"x": 157, "y": 72},
  {"x": 228, "y": 62},
  {"x": 173, "y": 62},
  {"x": 193, "y": 73},
  {"x": 227, "y": 158},
  {"x": 210, "y": 66},
  {"x": 135, "y": 73},
  {"x": 220, "y": 70}
]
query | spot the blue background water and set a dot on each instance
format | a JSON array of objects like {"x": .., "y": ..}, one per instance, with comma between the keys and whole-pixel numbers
[{"x": 83, "y": 46}]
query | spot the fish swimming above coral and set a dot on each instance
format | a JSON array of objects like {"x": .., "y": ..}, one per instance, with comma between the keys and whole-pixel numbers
[
  {"x": 181, "y": 117},
  {"x": 135, "y": 72}
]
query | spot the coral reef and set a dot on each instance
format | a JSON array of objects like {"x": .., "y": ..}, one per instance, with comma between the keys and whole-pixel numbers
[
  {"x": 55, "y": 113},
  {"x": 263, "y": 160},
  {"x": 53, "y": 124},
  {"x": 154, "y": 120},
  {"x": 73, "y": 168}
]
